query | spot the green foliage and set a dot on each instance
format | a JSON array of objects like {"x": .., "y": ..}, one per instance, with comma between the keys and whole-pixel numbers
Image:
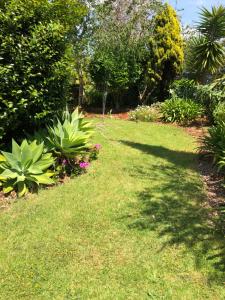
[
  {"x": 206, "y": 53},
  {"x": 214, "y": 142},
  {"x": 34, "y": 60},
  {"x": 181, "y": 110},
  {"x": 184, "y": 88},
  {"x": 120, "y": 43},
  {"x": 166, "y": 49},
  {"x": 219, "y": 113},
  {"x": 219, "y": 84},
  {"x": 209, "y": 95},
  {"x": 70, "y": 136},
  {"x": 145, "y": 113},
  {"x": 25, "y": 168}
]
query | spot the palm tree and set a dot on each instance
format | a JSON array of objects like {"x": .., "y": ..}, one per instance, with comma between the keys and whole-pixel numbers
[{"x": 206, "y": 53}]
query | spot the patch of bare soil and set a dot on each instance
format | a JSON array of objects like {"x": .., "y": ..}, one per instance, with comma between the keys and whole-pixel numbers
[
  {"x": 213, "y": 182},
  {"x": 121, "y": 116}
]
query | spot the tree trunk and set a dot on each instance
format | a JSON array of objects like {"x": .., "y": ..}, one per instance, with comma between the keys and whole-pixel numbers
[
  {"x": 81, "y": 88},
  {"x": 104, "y": 99},
  {"x": 143, "y": 97},
  {"x": 117, "y": 101}
]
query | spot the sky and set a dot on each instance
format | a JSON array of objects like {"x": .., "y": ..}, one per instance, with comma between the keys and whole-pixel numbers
[{"x": 190, "y": 8}]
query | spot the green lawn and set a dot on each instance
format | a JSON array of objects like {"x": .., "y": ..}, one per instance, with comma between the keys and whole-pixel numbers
[{"x": 134, "y": 227}]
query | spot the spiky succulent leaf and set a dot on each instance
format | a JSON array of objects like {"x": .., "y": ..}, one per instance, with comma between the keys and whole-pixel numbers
[
  {"x": 71, "y": 136},
  {"x": 25, "y": 167}
]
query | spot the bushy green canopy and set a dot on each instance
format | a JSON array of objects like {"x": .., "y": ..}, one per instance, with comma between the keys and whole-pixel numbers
[{"x": 34, "y": 59}]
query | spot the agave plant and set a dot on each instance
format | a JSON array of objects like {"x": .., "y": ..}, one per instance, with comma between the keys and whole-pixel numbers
[
  {"x": 70, "y": 136},
  {"x": 25, "y": 168}
]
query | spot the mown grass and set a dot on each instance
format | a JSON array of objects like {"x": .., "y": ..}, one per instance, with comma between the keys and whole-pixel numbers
[{"x": 134, "y": 227}]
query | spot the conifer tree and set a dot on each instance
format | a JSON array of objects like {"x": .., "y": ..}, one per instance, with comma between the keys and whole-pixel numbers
[{"x": 166, "y": 50}]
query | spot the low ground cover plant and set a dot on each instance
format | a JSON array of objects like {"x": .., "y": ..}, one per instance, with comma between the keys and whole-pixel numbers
[
  {"x": 63, "y": 149},
  {"x": 145, "y": 113},
  {"x": 180, "y": 110}
]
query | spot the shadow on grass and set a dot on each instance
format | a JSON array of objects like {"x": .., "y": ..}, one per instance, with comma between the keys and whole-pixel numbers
[
  {"x": 174, "y": 205},
  {"x": 178, "y": 158}
]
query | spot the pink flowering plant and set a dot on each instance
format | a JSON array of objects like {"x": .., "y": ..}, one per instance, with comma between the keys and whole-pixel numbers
[
  {"x": 70, "y": 167},
  {"x": 69, "y": 139}
]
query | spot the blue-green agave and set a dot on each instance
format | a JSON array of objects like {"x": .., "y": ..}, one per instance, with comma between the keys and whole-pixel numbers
[
  {"x": 25, "y": 168},
  {"x": 71, "y": 135}
]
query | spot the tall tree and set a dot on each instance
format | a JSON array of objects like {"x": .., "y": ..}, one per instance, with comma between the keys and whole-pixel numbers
[
  {"x": 122, "y": 29},
  {"x": 166, "y": 53}
]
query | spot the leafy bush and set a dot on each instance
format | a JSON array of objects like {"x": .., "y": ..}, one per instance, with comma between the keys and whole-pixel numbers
[
  {"x": 34, "y": 61},
  {"x": 219, "y": 84},
  {"x": 145, "y": 113},
  {"x": 180, "y": 110},
  {"x": 214, "y": 144},
  {"x": 25, "y": 168},
  {"x": 184, "y": 88},
  {"x": 209, "y": 95},
  {"x": 70, "y": 136},
  {"x": 219, "y": 113}
]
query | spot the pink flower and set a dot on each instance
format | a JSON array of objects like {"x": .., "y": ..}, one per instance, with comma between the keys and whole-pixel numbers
[
  {"x": 98, "y": 146},
  {"x": 64, "y": 162},
  {"x": 84, "y": 165}
]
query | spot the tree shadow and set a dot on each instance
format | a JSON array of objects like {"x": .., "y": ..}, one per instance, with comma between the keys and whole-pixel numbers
[
  {"x": 174, "y": 205},
  {"x": 178, "y": 158}
]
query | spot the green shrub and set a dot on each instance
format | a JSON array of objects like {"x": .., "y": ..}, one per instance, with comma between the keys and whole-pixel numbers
[
  {"x": 209, "y": 95},
  {"x": 219, "y": 84},
  {"x": 184, "y": 88},
  {"x": 145, "y": 113},
  {"x": 180, "y": 110},
  {"x": 25, "y": 168},
  {"x": 219, "y": 113},
  {"x": 34, "y": 61},
  {"x": 209, "y": 98},
  {"x": 214, "y": 143}
]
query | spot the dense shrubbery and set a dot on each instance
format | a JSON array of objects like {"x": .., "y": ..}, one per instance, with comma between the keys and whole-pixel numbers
[
  {"x": 219, "y": 113},
  {"x": 214, "y": 144},
  {"x": 61, "y": 150},
  {"x": 184, "y": 88},
  {"x": 180, "y": 110},
  {"x": 146, "y": 113},
  {"x": 34, "y": 61},
  {"x": 209, "y": 95}
]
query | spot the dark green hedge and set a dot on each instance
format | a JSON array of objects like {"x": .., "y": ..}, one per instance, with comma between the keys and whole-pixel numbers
[{"x": 34, "y": 65}]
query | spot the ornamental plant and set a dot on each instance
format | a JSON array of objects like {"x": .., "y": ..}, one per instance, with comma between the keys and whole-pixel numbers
[
  {"x": 70, "y": 136},
  {"x": 25, "y": 168},
  {"x": 214, "y": 143},
  {"x": 181, "y": 110},
  {"x": 145, "y": 113}
]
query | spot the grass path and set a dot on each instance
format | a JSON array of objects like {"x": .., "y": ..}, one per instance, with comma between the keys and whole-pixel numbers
[{"x": 134, "y": 227}]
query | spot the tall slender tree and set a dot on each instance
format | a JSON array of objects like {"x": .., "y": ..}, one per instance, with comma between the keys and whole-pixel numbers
[{"x": 166, "y": 52}]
